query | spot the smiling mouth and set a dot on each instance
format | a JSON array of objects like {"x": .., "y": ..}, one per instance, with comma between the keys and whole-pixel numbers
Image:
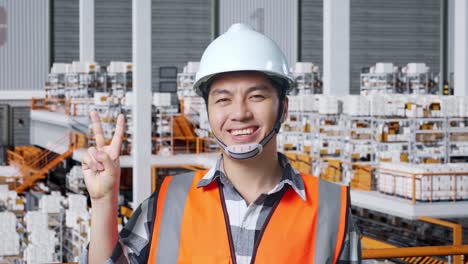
[{"x": 243, "y": 132}]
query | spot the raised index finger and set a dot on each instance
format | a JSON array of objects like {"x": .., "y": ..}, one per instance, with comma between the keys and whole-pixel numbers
[
  {"x": 97, "y": 129},
  {"x": 116, "y": 143}
]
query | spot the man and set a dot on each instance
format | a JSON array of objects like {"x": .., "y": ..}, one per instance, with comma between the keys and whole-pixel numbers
[{"x": 252, "y": 207}]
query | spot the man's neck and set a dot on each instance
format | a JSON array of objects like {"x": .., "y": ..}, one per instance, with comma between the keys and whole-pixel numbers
[{"x": 254, "y": 176}]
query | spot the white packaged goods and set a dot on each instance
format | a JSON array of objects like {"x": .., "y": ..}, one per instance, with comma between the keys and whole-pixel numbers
[
  {"x": 38, "y": 254},
  {"x": 9, "y": 244},
  {"x": 73, "y": 219},
  {"x": 77, "y": 223},
  {"x": 451, "y": 106},
  {"x": 328, "y": 105},
  {"x": 59, "y": 68},
  {"x": 8, "y": 195},
  {"x": 80, "y": 109},
  {"x": 36, "y": 220},
  {"x": 377, "y": 105},
  {"x": 193, "y": 107},
  {"x": 7, "y": 221},
  {"x": 294, "y": 104},
  {"x": 43, "y": 237},
  {"x": 460, "y": 149},
  {"x": 69, "y": 68},
  {"x": 315, "y": 102},
  {"x": 303, "y": 67},
  {"x": 426, "y": 106},
  {"x": 462, "y": 106},
  {"x": 204, "y": 123},
  {"x": 11, "y": 200},
  {"x": 413, "y": 68},
  {"x": 84, "y": 67},
  {"x": 10, "y": 171},
  {"x": 396, "y": 179},
  {"x": 128, "y": 101},
  {"x": 192, "y": 67},
  {"x": 101, "y": 98},
  {"x": 388, "y": 105},
  {"x": 75, "y": 180},
  {"x": 51, "y": 203},
  {"x": 362, "y": 150},
  {"x": 162, "y": 99},
  {"x": 383, "y": 67},
  {"x": 42, "y": 241},
  {"x": 119, "y": 67},
  {"x": 77, "y": 211},
  {"x": 307, "y": 102},
  {"x": 355, "y": 105},
  {"x": 77, "y": 202}
]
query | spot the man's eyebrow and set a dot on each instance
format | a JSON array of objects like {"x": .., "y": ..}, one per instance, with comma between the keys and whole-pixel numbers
[
  {"x": 220, "y": 91},
  {"x": 259, "y": 87}
]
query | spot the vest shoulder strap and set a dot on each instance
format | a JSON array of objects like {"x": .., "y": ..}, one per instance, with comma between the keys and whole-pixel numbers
[
  {"x": 169, "y": 211},
  {"x": 332, "y": 220}
]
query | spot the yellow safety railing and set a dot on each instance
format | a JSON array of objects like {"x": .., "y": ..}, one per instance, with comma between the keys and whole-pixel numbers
[
  {"x": 38, "y": 162},
  {"x": 385, "y": 253},
  {"x": 414, "y": 179},
  {"x": 383, "y": 250}
]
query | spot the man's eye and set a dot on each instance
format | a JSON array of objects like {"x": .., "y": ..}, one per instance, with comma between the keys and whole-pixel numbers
[
  {"x": 221, "y": 100},
  {"x": 257, "y": 97}
]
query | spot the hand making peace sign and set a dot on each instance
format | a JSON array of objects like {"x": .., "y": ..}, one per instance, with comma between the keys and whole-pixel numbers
[{"x": 101, "y": 166}]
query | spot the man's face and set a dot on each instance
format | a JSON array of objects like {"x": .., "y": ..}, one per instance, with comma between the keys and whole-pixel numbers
[{"x": 242, "y": 107}]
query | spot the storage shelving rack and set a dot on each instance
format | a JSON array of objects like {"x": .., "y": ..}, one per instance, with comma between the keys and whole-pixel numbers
[
  {"x": 327, "y": 140},
  {"x": 416, "y": 83},
  {"x": 80, "y": 88},
  {"x": 56, "y": 222},
  {"x": 73, "y": 244},
  {"x": 163, "y": 130},
  {"x": 293, "y": 132},
  {"x": 457, "y": 134},
  {"x": 390, "y": 137},
  {"x": 429, "y": 140},
  {"x": 379, "y": 83},
  {"x": 308, "y": 82},
  {"x": 358, "y": 135}
]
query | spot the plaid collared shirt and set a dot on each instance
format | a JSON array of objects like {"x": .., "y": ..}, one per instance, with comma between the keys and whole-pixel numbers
[{"x": 245, "y": 220}]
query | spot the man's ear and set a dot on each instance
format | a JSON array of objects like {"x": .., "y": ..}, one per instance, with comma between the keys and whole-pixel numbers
[{"x": 285, "y": 109}]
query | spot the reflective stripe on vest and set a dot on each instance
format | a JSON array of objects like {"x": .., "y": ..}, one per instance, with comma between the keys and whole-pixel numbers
[{"x": 190, "y": 226}]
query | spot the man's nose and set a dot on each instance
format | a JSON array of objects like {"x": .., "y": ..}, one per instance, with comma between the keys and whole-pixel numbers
[{"x": 241, "y": 111}]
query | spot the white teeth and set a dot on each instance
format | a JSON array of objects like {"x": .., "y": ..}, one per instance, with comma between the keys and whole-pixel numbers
[{"x": 247, "y": 131}]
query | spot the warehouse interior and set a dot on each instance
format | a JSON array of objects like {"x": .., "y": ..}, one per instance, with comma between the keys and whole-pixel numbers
[{"x": 380, "y": 103}]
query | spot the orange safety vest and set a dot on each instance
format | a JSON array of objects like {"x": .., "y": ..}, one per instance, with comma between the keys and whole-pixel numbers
[{"x": 190, "y": 224}]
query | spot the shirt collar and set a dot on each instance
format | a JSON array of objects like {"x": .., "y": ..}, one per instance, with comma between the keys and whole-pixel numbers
[{"x": 290, "y": 176}]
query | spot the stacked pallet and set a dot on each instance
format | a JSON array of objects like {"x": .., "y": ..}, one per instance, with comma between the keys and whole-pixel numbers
[
  {"x": 9, "y": 244},
  {"x": 42, "y": 240},
  {"x": 77, "y": 226},
  {"x": 433, "y": 182},
  {"x": 51, "y": 203}
]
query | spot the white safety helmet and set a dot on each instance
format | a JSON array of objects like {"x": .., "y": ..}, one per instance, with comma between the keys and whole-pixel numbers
[{"x": 242, "y": 48}]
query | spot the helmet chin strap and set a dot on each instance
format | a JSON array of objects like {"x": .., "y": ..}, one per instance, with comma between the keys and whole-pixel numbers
[{"x": 247, "y": 151}]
